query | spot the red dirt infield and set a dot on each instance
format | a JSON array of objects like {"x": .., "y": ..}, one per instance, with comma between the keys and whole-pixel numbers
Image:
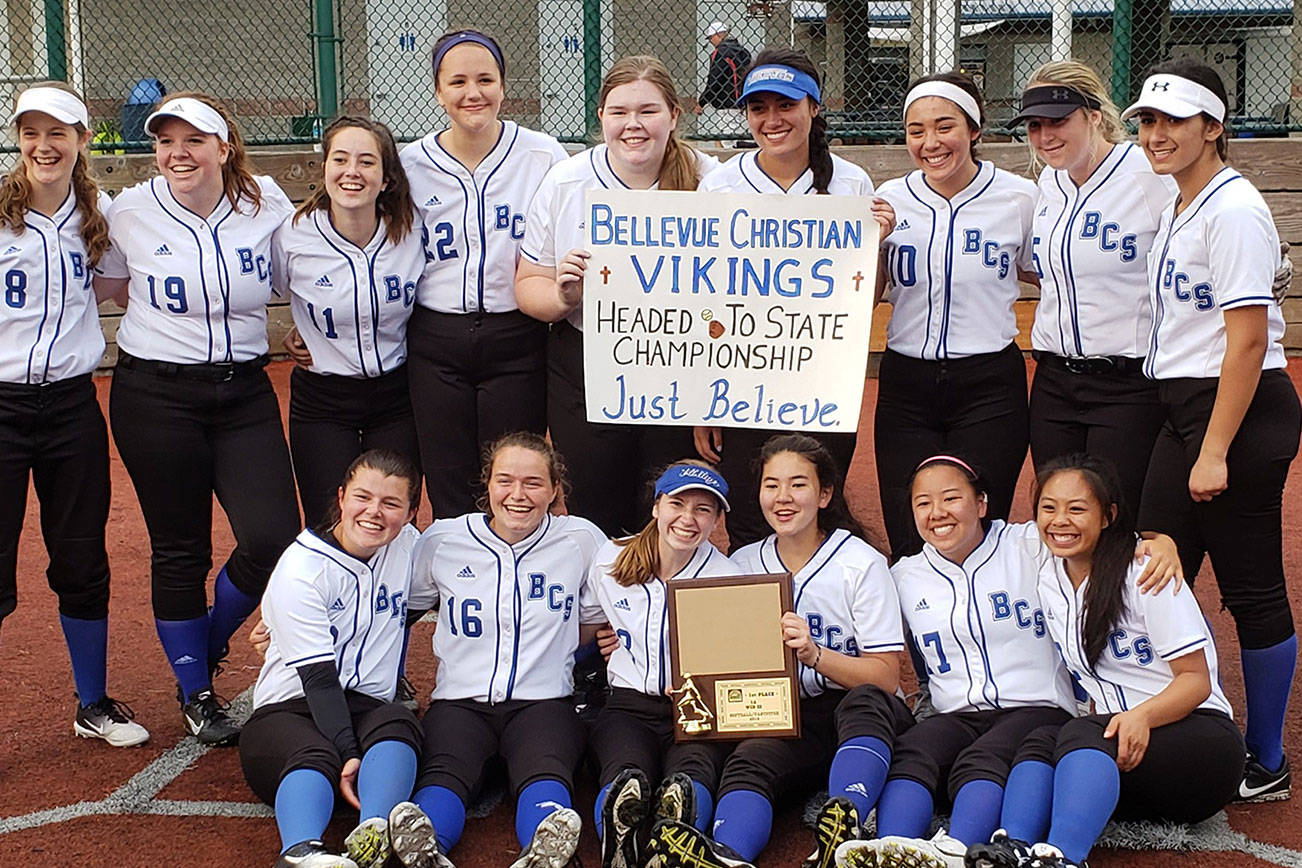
[{"x": 68, "y": 801}]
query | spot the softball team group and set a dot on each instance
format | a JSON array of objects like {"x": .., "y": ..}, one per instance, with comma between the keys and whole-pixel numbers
[{"x": 1066, "y": 674}]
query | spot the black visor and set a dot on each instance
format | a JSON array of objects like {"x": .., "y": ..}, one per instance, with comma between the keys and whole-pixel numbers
[{"x": 1051, "y": 101}]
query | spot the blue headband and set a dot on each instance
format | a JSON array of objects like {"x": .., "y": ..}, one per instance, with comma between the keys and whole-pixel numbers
[
  {"x": 461, "y": 39},
  {"x": 682, "y": 477},
  {"x": 777, "y": 78}
]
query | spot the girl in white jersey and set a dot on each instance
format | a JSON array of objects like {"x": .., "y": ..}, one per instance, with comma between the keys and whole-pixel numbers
[
  {"x": 478, "y": 365},
  {"x": 352, "y": 265},
  {"x": 845, "y": 629},
  {"x": 192, "y": 410},
  {"x": 782, "y": 100},
  {"x": 1095, "y": 218},
  {"x": 639, "y": 110},
  {"x": 633, "y": 739},
  {"x": 324, "y": 720},
  {"x": 508, "y": 581},
  {"x": 952, "y": 379},
  {"x": 1148, "y": 663},
  {"x": 1216, "y": 478},
  {"x": 52, "y": 232},
  {"x": 970, "y": 603}
]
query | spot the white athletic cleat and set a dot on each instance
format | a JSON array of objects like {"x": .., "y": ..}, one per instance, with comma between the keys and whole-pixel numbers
[
  {"x": 368, "y": 843},
  {"x": 110, "y": 720},
  {"x": 412, "y": 838},
  {"x": 941, "y": 851},
  {"x": 554, "y": 841},
  {"x": 312, "y": 854}
]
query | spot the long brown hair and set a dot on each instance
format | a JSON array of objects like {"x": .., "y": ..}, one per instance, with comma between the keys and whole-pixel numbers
[
  {"x": 237, "y": 174},
  {"x": 393, "y": 205},
  {"x": 638, "y": 561},
  {"x": 16, "y": 193},
  {"x": 678, "y": 167}
]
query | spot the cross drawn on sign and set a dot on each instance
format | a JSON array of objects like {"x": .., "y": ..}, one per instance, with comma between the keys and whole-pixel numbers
[
  {"x": 605, "y": 274},
  {"x": 858, "y": 276}
]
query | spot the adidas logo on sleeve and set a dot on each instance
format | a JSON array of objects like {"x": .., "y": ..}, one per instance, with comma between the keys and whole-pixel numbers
[{"x": 466, "y": 573}]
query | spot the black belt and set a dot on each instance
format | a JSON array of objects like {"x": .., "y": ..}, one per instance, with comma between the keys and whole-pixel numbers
[
  {"x": 1090, "y": 364},
  {"x": 219, "y": 372}
]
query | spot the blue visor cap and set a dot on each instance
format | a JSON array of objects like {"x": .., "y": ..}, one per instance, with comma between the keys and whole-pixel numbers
[
  {"x": 682, "y": 477},
  {"x": 776, "y": 78}
]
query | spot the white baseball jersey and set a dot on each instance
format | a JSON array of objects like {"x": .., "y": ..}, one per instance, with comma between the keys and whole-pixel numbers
[
  {"x": 1090, "y": 247},
  {"x": 199, "y": 286},
  {"x": 1152, "y": 629},
  {"x": 742, "y": 174},
  {"x": 350, "y": 304},
  {"x": 556, "y": 222},
  {"x": 1219, "y": 253},
  {"x": 322, "y": 605},
  {"x": 474, "y": 221},
  {"x": 846, "y": 594},
  {"x": 49, "y": 319},
  {"x": 640, "y": 616},
  {"x": 952, "y": 263},
  {"x": 508, "y": 621},
  {"x": 979, "y": 625}
]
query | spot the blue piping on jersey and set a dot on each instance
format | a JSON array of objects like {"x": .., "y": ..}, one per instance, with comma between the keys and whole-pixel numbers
[
  {"x": 518, "y": 605},
  {"x": 754, "y": 159},
  {"x": 45, "y": 245},
  {"x": 953, "y": 607},
  {"x": 1185, "y": 648},
  {"x": 949, "y": 255},
  {"x": 224, "y": 286},
  {"x": 375, "y": 309},
  {"x": 361, "y": 648},
  {"x": 1073, "y": 620},
  {"x": 357, "y": 592},
  {"x": 646, "y": 639},
  {"x": 976, "y": 609},
  {"x": 931, "y": 246},
  {"x": 465, "y": 218},
  {"x": 497, "y": 620},
  {"x": 352, "y": 266},
  {"x": 63, "y": 291},
  {"x": 826, "y": 560},
  {"x": 203, "y": 281},
  {"x": 483, "y": 240}
]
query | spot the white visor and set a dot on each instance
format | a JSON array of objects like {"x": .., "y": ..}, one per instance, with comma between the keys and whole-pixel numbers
[
  {"x": 1176, "y": 96},
  {"x": 945, "y": 90},
  {"x": 58, "y": 104},
  {"x": 197, "y": 114}
]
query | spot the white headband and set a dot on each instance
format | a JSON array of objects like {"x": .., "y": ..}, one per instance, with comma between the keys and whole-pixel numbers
[
  {"x": 945, "y": 90},
  {"x": 58, "y": 104},
  {"x": 1176, "y": 96},
  {"x": 196, "y": 113}
]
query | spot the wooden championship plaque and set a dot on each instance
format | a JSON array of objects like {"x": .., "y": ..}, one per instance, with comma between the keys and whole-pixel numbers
[{"x": 733, "y": 677}]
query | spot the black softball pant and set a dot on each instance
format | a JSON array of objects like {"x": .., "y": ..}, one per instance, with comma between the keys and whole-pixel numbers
[
  {"x": 184, "y": 439},
  {"x": 974, "y": 408},
  {"x": 1240, "y": 528},
  {"x": 473, "y": 378},
  {"x": 773, "y": 766},
  {"x": 1191, "y": 769},
  {"x": 1111, "y": 416},
  {"x": 55, "y": 434},
  {"x": 636, "y": 730},
  {"x": 334, "y": 419},
  {"x": 281, "y": 737},
  {"x": 537, "y": 739},
  {"x": 947, "y": 751},
  {"x": 611, "y": 467}
]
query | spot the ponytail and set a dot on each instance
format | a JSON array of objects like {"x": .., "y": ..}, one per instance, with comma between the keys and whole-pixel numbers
[
  {"x": 679, "y": 169},
  {"x": 820, "y": 153},
  {"x": 638, "y": 561}
]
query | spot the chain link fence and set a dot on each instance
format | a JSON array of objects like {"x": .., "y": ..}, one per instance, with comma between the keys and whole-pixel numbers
[{"x": 286, "y": 65}]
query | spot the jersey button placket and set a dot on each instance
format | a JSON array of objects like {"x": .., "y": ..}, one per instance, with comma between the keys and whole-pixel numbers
[{"x": 208, "y": 252}]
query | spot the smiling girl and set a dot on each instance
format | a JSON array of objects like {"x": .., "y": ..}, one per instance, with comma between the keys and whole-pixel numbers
[
  {"x": 52, "y": 431},
  {"x": 352, "y": 265}
]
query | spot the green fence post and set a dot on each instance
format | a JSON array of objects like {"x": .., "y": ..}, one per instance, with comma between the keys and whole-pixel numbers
[
  {"x": 591, "y": 63},
  {"x": 327, "y": 82},
  {"x": 56, "y": 41},
  {"x": 1122, "y": 29}
]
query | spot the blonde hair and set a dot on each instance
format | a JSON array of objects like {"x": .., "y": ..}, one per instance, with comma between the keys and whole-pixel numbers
[
  {"x": 237, "y": 175},
  {"x": 638, "y": 561},
  {"x": 16, "y": 192},
  {"x": 678, "y": 166},
  {"x": 1082, "y": 77}
]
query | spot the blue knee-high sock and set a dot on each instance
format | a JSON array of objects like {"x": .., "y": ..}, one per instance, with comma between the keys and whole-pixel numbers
[
  {"x": 704, "y": 806},
  {"x": 387, "y": 775},
  {"x": 859, "y": 771},
  {"x": 88, "y": 649},
  {"x": 230, "y": 607},
  {"x": 1267, "y": 680},
  {"x": 1028, "y": 799},
  {"x": 535, "y": 803},
  {"x": 598, "y": 805},
  {"x": 446, "y": 811},
  {"x": 976, "y": 811},
  {"x": 1086, "y": 786},
  {"x": 743, "y": 820},
  {"x": 905, "y": 809},
  {"x": 305, "y": 800},
  {"x": 186, "y": 646}
]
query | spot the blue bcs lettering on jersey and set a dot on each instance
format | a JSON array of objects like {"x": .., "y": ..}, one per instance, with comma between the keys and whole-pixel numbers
[
  {"x": 1140, "y": 647},
  {"x": 395, "y": 605},
  {"x": 250, "y": 264},
  {"x": 1200, "y": 294},
  {"x": 1004, "y": 607},
  {"x": 504, "y": 219},
  {"x": 829, "y": 635},
  {"x": 554, "y": 594},
  {"x": 396, "y": 290},
  {"x": 1107, "y": 234},
  {"x": 991, "y": 255}
]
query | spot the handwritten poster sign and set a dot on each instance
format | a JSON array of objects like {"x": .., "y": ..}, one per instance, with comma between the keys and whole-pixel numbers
[{"x": 727, "y": 309}]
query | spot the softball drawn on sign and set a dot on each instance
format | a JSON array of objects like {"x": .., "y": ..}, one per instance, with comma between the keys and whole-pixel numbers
[{"x": 727, "y": 309}]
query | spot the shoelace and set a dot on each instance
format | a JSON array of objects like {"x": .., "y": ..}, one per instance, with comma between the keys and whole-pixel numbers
[{"x": 118, "y": 712}]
